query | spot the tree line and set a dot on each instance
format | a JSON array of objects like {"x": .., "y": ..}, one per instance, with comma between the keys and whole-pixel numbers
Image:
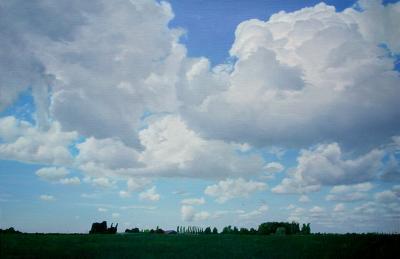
[
  {"x": 287, "y": 228},
  {"x": 196, "y": 230},
  {"x": 266, "y": 228},
  {"x": 10, "y": 230}
]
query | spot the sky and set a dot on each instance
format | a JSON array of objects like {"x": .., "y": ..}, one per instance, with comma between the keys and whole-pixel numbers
[{"x": 199, "y": 113}]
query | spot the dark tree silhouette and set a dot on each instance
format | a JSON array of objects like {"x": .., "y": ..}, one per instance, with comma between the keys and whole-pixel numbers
[
  {"x": 159, "y": 230},
  {"x": 215, "y": 231},
  {"x": 207, "y": 230},
  {"x": 268, "y": 228},
  {"x": 10, "y": 230},
  {"x": 227, "y": 230},
  {"x": 306, "y": 229},
  {"x": 244, "y": 231}
]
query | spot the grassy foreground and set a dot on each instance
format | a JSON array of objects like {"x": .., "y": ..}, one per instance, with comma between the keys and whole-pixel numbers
[{"x": 198, "y": 246}]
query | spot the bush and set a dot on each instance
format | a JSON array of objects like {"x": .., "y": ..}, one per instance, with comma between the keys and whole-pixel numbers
[
  {"x": 268, "y": 228},
  {"x": 244, "y": 231},
  {"x": 133, "y": 230},
  {"x": 280, "y": 231}
]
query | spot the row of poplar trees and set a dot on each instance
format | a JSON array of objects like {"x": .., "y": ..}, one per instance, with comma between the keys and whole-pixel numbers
[
  {"x": 196, "y": 230},
  {"x": 265, "y": 228}
]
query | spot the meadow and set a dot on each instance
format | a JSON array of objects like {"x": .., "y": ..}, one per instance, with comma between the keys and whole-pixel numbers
[{"x": 144, "y": 245}]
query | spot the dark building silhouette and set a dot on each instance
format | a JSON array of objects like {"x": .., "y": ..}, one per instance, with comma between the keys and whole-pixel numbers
[{"x": 101, "y": 228}]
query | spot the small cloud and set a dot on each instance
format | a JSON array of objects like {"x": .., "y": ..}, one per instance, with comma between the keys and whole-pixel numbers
[
  {"x": 347, "y": 197},
  {"x": 339, "y": 207},
  {"x": 124, "y": 194},
  {"x": 102, "y": 182},
  {"x": 180, "y": 192},
  {"x": 115, "y": 215},
  {"x": 140, "y": 207},
  {"x": 102, "y": 209},
  {"x": 193, "y": 201},
  {"x": 89, "y": 195},
  {"x": 274, "y": 167},
  {"x": 245, "y": 147},
  {"x": 188, "y": 213},
  {"x": 316, "y": 210},
  {"x": 137, "y": 184},
  {"x": 45, "y": 197},
  {"x": 255, "y": 213},
  {"x": 361, "y": 187},
  {"x": 52, "y": 174},
  {"x": 203, "y": 215},
  {"x": 304, "y": 199},
  {"x": 349, "y": 193},
  {"x": 387, "y": 196},
  {"x": 232, "y": 188},
  {"x": 290, "y": 207},
  {"x": 278, "y": 152},
  {"x": 70, "y": 181},
  {"x": 150, "y": 195},
  {"x": 296, "y": 213}
]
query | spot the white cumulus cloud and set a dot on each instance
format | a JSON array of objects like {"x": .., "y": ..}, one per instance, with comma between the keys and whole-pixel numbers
[
  {"x": 150, "y": 195},
  {"x": 255, "y": 213},
  {"x": 326, "y": 164},
  {"x": 46, "y": 197},
  {"x": 232, "y": 188},
  {"x": 52, "y": 173},
  {"x": 306, "y": 77},
  {"x": 188, "y": 213},
  {"x": 274, "y": 167},
  {"x": 349, "y": 193},
  {"x": 193, "y": 201},
  {"x": 70, "y": 181},
  {"x": 24, "y": 142}
]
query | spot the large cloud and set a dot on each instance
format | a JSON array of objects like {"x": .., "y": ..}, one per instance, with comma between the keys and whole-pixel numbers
[
  {"x": 301, "y": 78},
  {"x": 311, "y": 76},
  {"x": 170, "y": 149},
  {"x": 176, "y": 150},
  {"x": 23, "y": 23},
  {"x": 110, "y": 61},
  {"x": 103, "y": 157},
  {"x": 24, "y": 142},
  {"x": 122, "y": 63},
  {"x": 327, "y": 165}
]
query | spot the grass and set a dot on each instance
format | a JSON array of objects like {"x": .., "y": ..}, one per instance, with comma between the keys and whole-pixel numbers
[{"x": 198, "y": 246}]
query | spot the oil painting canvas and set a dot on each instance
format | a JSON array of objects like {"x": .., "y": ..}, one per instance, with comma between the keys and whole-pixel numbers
[{"x": 199, "y": 129}]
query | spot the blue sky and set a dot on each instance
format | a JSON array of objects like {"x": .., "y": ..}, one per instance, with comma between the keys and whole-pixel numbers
[
  {"x": 210, "y": 25},
  {"x": 205, "y": 113}
]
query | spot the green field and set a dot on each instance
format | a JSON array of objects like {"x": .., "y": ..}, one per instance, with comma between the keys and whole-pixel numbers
[{"x": 198, "y": 246}]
